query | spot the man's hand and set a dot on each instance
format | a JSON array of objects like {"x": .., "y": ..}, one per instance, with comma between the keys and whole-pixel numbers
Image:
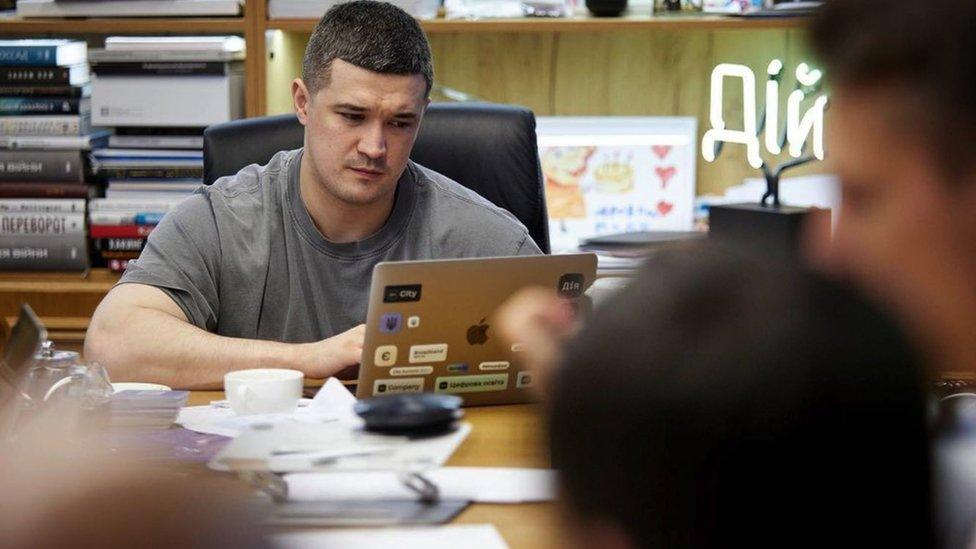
[{"x": 331, "y": 356}]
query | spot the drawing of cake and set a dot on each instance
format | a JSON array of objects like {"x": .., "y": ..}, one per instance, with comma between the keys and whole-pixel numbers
[
  {"x": 614, "y": 177},
  {"x": 563, "y": 168}
]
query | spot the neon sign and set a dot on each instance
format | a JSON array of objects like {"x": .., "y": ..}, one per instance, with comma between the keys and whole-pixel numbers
[{"x": 799, "y": 127}]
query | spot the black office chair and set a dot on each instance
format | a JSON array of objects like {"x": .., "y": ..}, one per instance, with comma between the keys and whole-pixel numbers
[{"x": 489, "y": 148}]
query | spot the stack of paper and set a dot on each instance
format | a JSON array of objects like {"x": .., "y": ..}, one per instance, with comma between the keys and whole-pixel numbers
[{"x": 146, "y": 409}]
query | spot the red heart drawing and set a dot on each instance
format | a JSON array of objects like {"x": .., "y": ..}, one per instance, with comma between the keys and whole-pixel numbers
[
  {"x": 664, "y": 207},
  {"x": 661, "y": 150},
  {"x": 665, "y": 174}
]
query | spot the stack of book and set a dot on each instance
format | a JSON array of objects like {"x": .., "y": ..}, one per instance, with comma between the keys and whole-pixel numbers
[
  {"x": 45, "y": 133},
  {"x": 43, "y": 234},
  {"x": 158, "y": 93},
  {"x": 126, "y": 8}
]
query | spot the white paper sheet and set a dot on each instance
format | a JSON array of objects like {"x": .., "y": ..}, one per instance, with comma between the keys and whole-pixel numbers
[
  {"x": 469, "y": 536},
  {"x": 297, "y": 447},
  {"x": 333, "y": 402},
  {"x": 480, "y": 484}
]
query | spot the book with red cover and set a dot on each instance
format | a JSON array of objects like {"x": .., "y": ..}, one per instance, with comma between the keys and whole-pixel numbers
[{"x": 119, "y": 231}]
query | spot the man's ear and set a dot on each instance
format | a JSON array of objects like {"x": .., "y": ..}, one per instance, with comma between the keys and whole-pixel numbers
[{"x": 302, "y": 98}]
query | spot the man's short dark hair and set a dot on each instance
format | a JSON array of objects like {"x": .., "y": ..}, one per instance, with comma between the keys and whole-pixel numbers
[
  {"x": 375, "y": 36},
  {"x": 921, "y": 50},
  {"x": 725, "y": 399}
]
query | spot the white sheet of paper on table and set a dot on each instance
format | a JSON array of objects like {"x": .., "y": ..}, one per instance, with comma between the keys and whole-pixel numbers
[
  {"x": 332, "y": 402},
  {"x": 286, "y": 447},
  {"x": 469, "y": 536},
  {"x": 480, "y": 484}
]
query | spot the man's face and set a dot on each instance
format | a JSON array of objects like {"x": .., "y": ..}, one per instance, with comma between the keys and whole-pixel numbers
[
  {"x": 359, "y": 130},
  {"x": 904, "y": 230}
]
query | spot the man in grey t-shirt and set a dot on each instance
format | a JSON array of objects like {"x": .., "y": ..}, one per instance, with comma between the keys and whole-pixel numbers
[{"x": 271, "y": 267}]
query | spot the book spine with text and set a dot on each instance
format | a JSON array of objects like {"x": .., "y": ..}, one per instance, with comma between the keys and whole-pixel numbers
[
  {"x": 44, "y": 253},
  {"x": 44, "y": 91},
  {"x": 43, "y": 206},
  {"x": 13, "y": 224},
  {"x": 133, "y": 245},
  {"x": 35, "y": 75},
  {"x": 54, "y": 125},
  {"x": 44, "y": 189},
  {"x": 149, "y": 173},
  {"x": 42, "y": 105},
  {"x": 130, "y": 206},
  {"x": 21, "y": 165},
  {"x": 160, "y": 68},
  {"x": 120, "y": 231},
  {"x": 42, "y": 53},
  {"x": 125, "y": 218}
]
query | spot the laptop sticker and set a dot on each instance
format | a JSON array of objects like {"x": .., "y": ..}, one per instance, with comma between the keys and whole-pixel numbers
[
  {"x": 385, "y": 355},
  {"x": 390, "y": 323},
  {"x": 471, "y": 384},
  {"x": 413, "y": 322},
  {"x": 436, "y": 352},
  {"x": 570, "y": 285},
  {"x": 458, "y": 367},
  {"x": 394, "y": 386},
  {"x": 411, "y": 370},
  {"x": 495, "y": 365},
  {"x": 401, "y": 294},
  {"x": 524, "y": 379}
]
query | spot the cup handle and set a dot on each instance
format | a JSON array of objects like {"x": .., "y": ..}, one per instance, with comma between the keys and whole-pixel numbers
[{"x": 61, "y": 383}]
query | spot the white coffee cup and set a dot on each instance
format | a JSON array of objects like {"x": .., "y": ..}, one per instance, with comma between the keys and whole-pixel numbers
[{"x": 263, "y": 390}]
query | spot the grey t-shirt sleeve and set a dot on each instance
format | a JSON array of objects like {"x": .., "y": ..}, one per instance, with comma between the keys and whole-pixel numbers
[
  {"x": 527, "y": 247},
  {"x": 182, "y": 257}
]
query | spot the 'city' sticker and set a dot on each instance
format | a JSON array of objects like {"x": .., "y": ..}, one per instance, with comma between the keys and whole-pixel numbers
[
  {"x": 401, "y": 294},
  {"x": 394, "y": 386},
  {"x": 458, "y": 367},
  {"x": 524, "y": 379},
  {"x": 471, "y": 384},
  {"x": 570, "y": 285},
  {"x": 390, "y": 323},
  {"x": 496, "y": 365},
  {"x": 411, "y": 370},
  {"x": 386, "y": 355},
  {"x": 436, "y": 352}
]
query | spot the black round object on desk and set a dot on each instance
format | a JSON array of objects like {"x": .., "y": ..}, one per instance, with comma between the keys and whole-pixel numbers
[
  {"x": 412, "y": 414},
  {"x": 606, "y": 8}
]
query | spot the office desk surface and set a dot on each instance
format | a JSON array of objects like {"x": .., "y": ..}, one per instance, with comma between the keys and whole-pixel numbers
[{"x": 502, "y": 436}]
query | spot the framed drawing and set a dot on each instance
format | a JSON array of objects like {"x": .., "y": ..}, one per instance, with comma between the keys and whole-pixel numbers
[{"x": 607, "y": 175}]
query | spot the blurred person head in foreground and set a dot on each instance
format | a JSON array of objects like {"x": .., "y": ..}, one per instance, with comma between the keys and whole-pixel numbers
[
  {"x": 901, "y": 126},
  {"x": 729, "y": 399}
]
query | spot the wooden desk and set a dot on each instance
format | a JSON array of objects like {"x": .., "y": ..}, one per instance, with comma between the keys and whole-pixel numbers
[{"x": 503, "y": 436}]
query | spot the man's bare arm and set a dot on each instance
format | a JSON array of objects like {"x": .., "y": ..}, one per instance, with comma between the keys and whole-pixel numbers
[{"x": 140, "y": 334}]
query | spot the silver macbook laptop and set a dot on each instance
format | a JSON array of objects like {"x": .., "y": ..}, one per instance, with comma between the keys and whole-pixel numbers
[{"x": 430, "y": 324}]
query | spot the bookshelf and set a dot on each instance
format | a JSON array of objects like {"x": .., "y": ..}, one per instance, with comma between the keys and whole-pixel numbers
[
  {"x": 636, "y": 65},
  {"x": 254, "y": 23}
]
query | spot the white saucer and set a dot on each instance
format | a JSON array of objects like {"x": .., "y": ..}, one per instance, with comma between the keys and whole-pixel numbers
[{"x": 128, "y": 386}]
